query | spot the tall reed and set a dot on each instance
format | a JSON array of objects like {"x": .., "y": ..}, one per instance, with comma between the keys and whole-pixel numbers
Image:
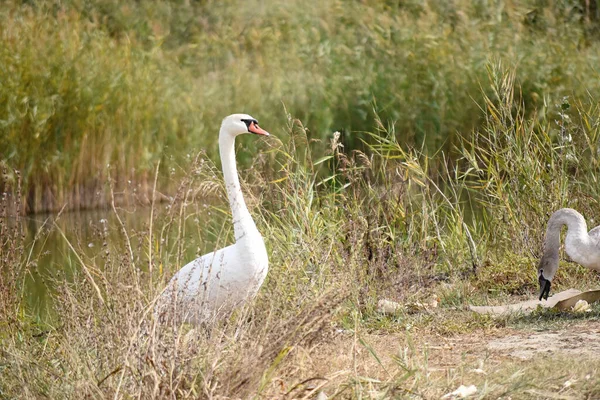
[{"x": 97, "y": 83}]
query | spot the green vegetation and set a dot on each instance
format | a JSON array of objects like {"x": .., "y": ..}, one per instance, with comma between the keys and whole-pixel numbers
[
  {"x": 87, "y": 84},
  {"x": 462, "y": 128},
  {"x": 382, "y": 224}
]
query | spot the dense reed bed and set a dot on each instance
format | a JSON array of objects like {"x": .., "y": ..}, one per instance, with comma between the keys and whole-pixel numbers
[{"x": 103, "y": 88}]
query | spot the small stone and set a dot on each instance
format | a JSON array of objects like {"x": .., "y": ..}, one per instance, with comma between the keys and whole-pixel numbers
[
  {"x": 582, "y": 306},
  {"x": 388, "y": 307},
  {"x": 461, "y": 393},
  {"x": 321, "y": 396}
]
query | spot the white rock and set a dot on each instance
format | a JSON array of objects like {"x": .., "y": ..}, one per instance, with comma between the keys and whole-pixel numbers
[
  {"x": 569, "y": 383},
  {"x": 582, "y": 306},
  {"x": 461, "y": 393},
  {"x": 388, "y": 307},
  {"x": 322, "y": 396}
]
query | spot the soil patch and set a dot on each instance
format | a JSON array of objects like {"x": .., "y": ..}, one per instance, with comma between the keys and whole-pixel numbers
[
  {"x": 580, "y": 339},
  {"x": 375, "y": 355}
]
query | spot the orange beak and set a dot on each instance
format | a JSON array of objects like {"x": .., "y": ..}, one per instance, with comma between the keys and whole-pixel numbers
[{"x": 254, "y": 128}]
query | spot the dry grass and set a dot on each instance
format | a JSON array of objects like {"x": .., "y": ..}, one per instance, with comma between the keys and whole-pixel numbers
[{"x": 343, "y": 229}]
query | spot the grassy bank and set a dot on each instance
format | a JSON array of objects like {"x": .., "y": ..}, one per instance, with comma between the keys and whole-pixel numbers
[
  {"x": 389, "y": 223},
  {"x": 100, "y": 89}
]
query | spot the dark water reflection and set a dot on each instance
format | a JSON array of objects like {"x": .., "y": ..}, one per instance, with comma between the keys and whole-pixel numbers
[{"x": 50, "y": 258}]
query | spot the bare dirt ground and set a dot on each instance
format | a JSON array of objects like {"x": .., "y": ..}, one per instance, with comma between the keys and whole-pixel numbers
[
  {"x": 380, "y": 356},
  {"x": 580, "y": 338}
]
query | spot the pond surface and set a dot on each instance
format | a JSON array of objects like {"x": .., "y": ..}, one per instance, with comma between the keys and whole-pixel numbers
[{"x": 57, "y": 243}]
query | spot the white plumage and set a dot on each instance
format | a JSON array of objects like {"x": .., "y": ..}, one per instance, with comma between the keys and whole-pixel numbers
[
  {"x": 582, "y": 246},
  {"x": 218, "y": 282}
]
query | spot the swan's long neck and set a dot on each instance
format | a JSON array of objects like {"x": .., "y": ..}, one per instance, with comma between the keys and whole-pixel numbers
[
  {"x": 576, "y": 242},
  {"x": 243, "y": 224}
]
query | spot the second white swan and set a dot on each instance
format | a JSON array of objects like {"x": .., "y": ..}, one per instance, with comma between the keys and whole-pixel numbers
[
  {"x": 582, "y": 246},
  {"x": 222, "y": 280}
]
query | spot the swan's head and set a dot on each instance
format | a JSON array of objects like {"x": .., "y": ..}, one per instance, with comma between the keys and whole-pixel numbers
[
  {"x": 546, "y": 270},
  {"x": 238, "y": 124}
]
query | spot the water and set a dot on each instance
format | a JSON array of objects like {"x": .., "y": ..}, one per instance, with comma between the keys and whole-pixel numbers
[{"x": 52, "y": 257}]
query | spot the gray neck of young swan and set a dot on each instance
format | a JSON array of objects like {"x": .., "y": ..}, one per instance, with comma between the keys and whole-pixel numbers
[
  {"x": 243, "y": 224},
  {"x": 576, "y": 234}
]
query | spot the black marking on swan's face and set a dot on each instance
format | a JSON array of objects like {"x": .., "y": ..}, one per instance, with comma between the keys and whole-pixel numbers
[
  {"x": 252, "y": 127},
  {"x": 249, "y": 122},
  {"x": 545, "y": 285}
]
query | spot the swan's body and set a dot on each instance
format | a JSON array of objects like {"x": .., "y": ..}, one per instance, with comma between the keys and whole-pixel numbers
[
  {"x": 582, "y": 246},
  {"x": 222, "y": 280}
]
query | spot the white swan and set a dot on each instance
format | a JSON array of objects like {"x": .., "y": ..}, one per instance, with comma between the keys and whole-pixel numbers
[
  {"x": 222, "y": 280},
  {"x": 582, "y": 246}
]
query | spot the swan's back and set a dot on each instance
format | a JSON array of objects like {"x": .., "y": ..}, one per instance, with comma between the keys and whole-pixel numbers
[
  {"x": 595, "y": 236},
  {"x": 595, "y": 233},
  {"x": 590, "y": 255},
  {"x": 215, "y": 283}
]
